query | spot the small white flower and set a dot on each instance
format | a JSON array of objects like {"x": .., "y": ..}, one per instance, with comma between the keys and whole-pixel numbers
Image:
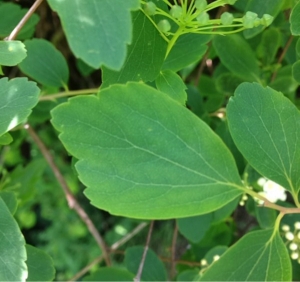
[
  {"x": 294, "y": 255},
  {"x": 203, "y": 262},
  {"x": 290, "y": 236},
  {"x": 293, "y": 246},
  {"x": 297, "y": 225},
  {"x": 272, "y": 191},
  {"x": 216, "y": 257},
  {"x": 285, "y": 227}
]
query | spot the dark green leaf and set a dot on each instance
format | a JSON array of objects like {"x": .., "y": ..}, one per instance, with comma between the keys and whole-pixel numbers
[
  {"x": 40, "y": 265},
  {"x": 153, "y": 269},
  {"x": 265, "y": 216},
  {"x": 145, "y": 55},
  {"x": 258, "y": 256},
  {"x": 265, "y": 126},
  {"x": 45, "y": 64},
  {"x": 226, "y": 83},
  {"x": 11, "y": 53},
  {"x": 231, "y": 50},
  {"x": 151, "y": 150},
  {"x": 296, "y": 71},
  {"x": 12, "y": 246},
  {"x": 97, "y": 31},
  {"x": 5, "y": 139},
  {"x": 170, "y": 83},
  {"x": 188, "y": 49},
  {"x": 110, "y": 274},
  {"x": 194, "y": 228},
  {"x": 18, "y": 96}
]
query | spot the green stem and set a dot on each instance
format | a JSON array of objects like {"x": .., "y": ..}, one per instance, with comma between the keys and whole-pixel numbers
[
  {"x": 179, "y": 32},
  {"x": 68, "y": 93}
]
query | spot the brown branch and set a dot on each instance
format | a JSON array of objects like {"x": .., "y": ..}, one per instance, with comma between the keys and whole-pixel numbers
[
  {"x": 173, "y": 251},
  {"x": 112, "y": 249},
  {"x": 283, "y": 53},
  {"x": 23, "y": 21},
  {"x": 72, "y": 202},
  {"x": 137, "y": 278}
]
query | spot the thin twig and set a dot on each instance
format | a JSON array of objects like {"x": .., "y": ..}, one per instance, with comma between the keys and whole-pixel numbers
[
  {"x": 113, "y": 247},
  {"x": 281, "y": 57},
  {"x": 72, "y": 202},
  {"x": 23, "y": 21},
  {"x": 173, "y": 251},
  {"x": 137, "y": 278},
  {"x": 68, "y": 93}
]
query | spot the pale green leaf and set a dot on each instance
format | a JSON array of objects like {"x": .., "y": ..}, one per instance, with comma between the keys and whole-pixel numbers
[
  {"x": 170, "y": 83},
  {"x": 145, "y": 55},
  {"x": 138, "y": 150},
  {"x": 97, "y": 31},
  {"x": 194, "y": 228},
  {"x": 110, "y": 274},
  {"x": 12, "y": 246},
  {"x": 45, "y": 64},
  {"x": 271, "y": 7},
  {"x": 40, "y": 265},
  {"x": 258, "y": 256},
  {"x": 265, "y": 126},
  {"x": 231, "y": 50},
  {"x": 295, "y": 20},
  {"x": 188, "y": 49},
  {"x": 17, "y": 97},
  {"x": 11, "y": 53},
  {"x": 153, "y": 269}
]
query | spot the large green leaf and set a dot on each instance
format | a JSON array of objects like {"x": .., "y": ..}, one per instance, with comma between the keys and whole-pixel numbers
[
  {"x": 265, "y": 126},
  {"x": 40, "y": 265},
  {"x": 45, "y": 64},
  {"x": 271, "y": 7},
  {"x": 145, "y": 55},
  {"x": 138, "y": 149},
  {"x": 153, "y": 269},
  {"x": 258, "y": 256},
  {"x": 188, "y": 49},
  {"x": 231, "y": 50},
  {"x": 12, "y": 248},
  {"x": 110, "y": 274},
  {"x": 11, "y": 53},
  {"x": 17, "y": 97},
  {"x": 97, "y": 31},
  {"x": 295, "y": 20}
]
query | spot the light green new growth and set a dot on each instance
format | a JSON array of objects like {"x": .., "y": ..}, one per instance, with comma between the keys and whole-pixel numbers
[{"x": 192, "y": 17}]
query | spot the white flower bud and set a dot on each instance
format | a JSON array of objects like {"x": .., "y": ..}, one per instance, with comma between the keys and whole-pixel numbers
[
  {"x": 293, "y": 246},
  {"x": 289, "y": 236},
  {"x": 294, "y": 255}
]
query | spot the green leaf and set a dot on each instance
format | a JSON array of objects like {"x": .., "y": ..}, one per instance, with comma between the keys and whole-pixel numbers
[
  {"x": 226, "y": 83},
  {"x": 18, "y": 96},
  {"x": 110, "y": 274},
  {"x": 269, "y": 45},
  {"x": 189, "y": 48},
  {"x": 10, "y": 200},
  {"x": 296, "y": 71},
  {"x": 295, "y": 20},
  {"x": 5, "y": 139},
  {"x": 145, "y": 55},
  {"x": 265, "y": 216},
  {"x": 194, "y": 228},
  {"x": 45, "y": 64},
  {"x": 231, "y": 50},
  {"x": 258, "y": 256},
  {"x": 151, "y": 150},
  {"x": 170, "y": 83},
  {"x": 97, "y": 31},
  {"x": 11, "y": 14},
  {"x": 271, "y": 7},
  {"x": 265, "y": 126},
  {"x": 188, "y": 275},
  {"x": 40, "y": 265},
  {"x": 12, "y": 246},
  {"x": 153, "y": 269},
  {"x": 11, "y": 53}
]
